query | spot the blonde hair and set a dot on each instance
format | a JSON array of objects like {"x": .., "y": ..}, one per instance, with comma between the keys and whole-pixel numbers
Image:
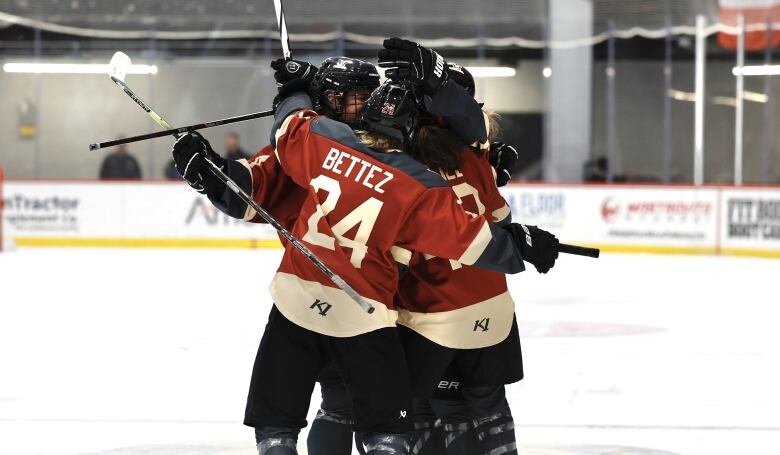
[
  {"x": 379, "y": 141},
  {"x": 493, "y": 123}
]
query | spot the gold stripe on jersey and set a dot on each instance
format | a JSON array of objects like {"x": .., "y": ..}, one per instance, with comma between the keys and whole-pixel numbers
[
  {"x": 478, "y": 245},
  {"x": 501, "y": 213},
  {"x": 401, "y": 255},
  {"x": 283, "y": 129},
  {"x": 476, "y": 326},
  {"x": 326, "y": 310}
]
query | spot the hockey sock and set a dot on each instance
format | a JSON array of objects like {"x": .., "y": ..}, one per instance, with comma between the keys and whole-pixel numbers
[
  {"x": 426, "y": 436},
  {"x": 459, "y": 437},
  {"x": 276, "y": 441},
  {"x": 496, "y": 433},
  {"x": 330, "y": 435},
  {"x": 454, "y": 429},
  {"x": 493, "y": 422},
  {"x": 385, "y": 443},
  {"x": 427, "y": 439}
]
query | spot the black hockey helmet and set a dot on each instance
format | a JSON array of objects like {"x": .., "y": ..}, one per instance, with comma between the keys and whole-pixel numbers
[
  {"x": 392, "y": 110},
  {"x": 337, "y": 76},
  {"x": 462, "y": 77}
]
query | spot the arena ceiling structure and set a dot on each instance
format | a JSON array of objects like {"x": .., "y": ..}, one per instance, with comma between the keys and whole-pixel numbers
[{"x": 228, "y": 26}]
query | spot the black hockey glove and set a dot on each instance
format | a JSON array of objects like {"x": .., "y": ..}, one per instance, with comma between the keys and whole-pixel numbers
[
  {"x": 537, "y": 246},
  {"x": 408, "y": 61},
  {"x": 189, "y": 157},
  {"x": 462, "y": 77},
  {"x": 292, "y": 76},
  {"x": 503, "y": 158}
]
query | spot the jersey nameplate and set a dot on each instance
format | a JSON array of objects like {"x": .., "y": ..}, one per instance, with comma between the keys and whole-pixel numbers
[
  {"x": 451, "y": 176},
  {"x": 370, "y": 175}
]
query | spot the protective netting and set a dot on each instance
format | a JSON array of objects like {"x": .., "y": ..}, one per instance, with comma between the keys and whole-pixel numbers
[
  {"x": 638, "y": 108},
  {"x": 441, "y": 23}
]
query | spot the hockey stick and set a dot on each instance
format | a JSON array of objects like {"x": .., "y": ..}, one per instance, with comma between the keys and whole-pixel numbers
[
  {"x": 183, "y": 129},
  {"x": 283, "y": 36},
  {"x": 117, "y": 68},
  {"x": 337, "y": 280},
  {"x": 578, "y": 250}
]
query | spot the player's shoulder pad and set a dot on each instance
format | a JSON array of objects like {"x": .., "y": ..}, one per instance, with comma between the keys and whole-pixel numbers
[
  {"x": 333, "y": 130},
  {"x": 343, "y": 134}
]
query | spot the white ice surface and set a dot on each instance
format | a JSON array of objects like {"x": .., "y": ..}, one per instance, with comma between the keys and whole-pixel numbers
[{"x": 150, "y": 352}]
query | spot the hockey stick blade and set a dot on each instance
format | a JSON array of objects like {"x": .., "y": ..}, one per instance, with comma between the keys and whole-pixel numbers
[
  {"x": 579, "y": 250},
  {"x": 119, "y": 65},
  {"x": 184, "y": 129}
]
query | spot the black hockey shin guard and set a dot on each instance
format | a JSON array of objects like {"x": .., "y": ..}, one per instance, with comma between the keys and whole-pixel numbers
[
  {"x": 276, "y": 441},
  {"x": 330, "y": 435},
  {"x": 459, "y": 438},
  {"x": 427, "y": 439},
  {"x": 496, "y": 433},
  {"x": 493, "y": 422},
  {"x": 385, "y": 443},
  {"x": 454, "y": 431},
  {"x": 426, "y": 436}
]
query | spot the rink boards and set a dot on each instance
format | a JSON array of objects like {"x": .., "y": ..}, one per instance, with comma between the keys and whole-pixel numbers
[
  {"x": 655, "y": 219},
  {"x": 623, "y": 218}
]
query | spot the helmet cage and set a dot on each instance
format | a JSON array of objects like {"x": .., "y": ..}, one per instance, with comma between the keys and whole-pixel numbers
[{"x": 336, "y": 77}]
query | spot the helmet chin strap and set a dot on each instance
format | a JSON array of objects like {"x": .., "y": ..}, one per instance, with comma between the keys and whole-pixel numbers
[{"x": 387, "y": 130}]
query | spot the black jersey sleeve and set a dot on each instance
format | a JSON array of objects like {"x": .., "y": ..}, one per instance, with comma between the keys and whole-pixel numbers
[
  {"x": 288, "y": 106},
  {"x": 225, "y": 199}
]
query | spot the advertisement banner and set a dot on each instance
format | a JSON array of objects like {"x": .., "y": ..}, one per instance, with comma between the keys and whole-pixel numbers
[
  {"x": 108, "y": 214},
  {"x": 678, "y": 218},
  {"x": 751, "y": 221},
  {"x": 61, "y": 210}
]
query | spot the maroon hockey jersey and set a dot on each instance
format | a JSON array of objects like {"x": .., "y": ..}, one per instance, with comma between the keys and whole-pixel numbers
[{"x": 450, "y": 303}]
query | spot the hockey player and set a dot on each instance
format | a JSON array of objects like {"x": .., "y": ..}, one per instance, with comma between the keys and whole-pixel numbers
[
  {"x": 459, "y": 313},
  {"x": 465, "y": 316}
]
